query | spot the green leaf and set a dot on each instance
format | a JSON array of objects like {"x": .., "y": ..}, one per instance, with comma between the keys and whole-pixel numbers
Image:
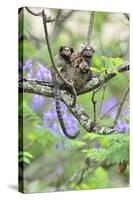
[
  {"x": 24, "y": 159},
  {"x": 25, "y": 154}
]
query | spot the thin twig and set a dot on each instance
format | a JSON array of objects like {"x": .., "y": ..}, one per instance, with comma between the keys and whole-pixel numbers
[
  {"x": 65, "y": 17},
  {"x": 104, "y": 85},
  {"x": 90, "y": 27},
  {"x": 94, "y": 105},
  {"x": 31, "y": 143},
  {"x": 108, "y": 111},
  {"x": 120, "y": 108},
  {"x": 33, "y": 13},
  {"x": 47, "y": 20},
  {"x": 58, "y": 13},
  {"x": 85, "y": 168},
  {"x": 94, "y": 102},
  {"x": 70, "y": 85},
  {"x": 89, "y": 166},
  {"x": 103, "y": 95}
]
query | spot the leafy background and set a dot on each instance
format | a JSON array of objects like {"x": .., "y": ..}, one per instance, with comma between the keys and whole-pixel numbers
[{"x": 52, "y": 162}]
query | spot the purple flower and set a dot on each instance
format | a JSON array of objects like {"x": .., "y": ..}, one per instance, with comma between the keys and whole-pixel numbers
[
  {"x": 56, "y": 146},
  {"x": 20, "y": 65},
  {"x": 54, "y": 127},
  {"x": 124, "y": 112},
  {"x": 108, "y": 104},
  {"x": 27, "y": 68},
  {"x": 71, "y": 129},
  {"x": 71, "y": 124},
  {"x": 108, "y": 53},
  {"x": 113, "y": 114},
  {"x": 121, "y": 126},
  {"x": 63, "y": 107},
  {"x": 37, "y": 102},
  {"x": 71, "y": 119},
  {"x": 28, "y": 65},
  {"x": 43, "y": 73},
  {"x": 49, "y": 115},
  {"x": 96, "y": 145}
]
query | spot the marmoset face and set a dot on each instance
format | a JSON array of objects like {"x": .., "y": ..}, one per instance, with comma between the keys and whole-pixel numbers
[
  {"x": 66, "y": 51},
  {"x": 88, "y": 52}
]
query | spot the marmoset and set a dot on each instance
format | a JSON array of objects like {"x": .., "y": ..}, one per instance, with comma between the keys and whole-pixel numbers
[
  {"x": 87, "y": 52},
  {"x": 75, "y": 68},
  {"x": 62, "y": 61},
  {"x": 63, "y": 57}
]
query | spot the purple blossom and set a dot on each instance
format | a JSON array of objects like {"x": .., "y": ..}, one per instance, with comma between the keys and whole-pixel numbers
[
  {"x": 108, "y": 104},
  {"x": 27, "y": 68},
  {"x": 71, "y": 119},
  {"x": 108, "y": 53},
  {"x": 124, "y": 112},
  {"x": 20, "y": 65},
  {"x": 71, "y": 124},
  {"x": 49, "y": 115},
  {"x": 43, "y": 73},
  {"x": 54, "y": 127},
  {"x": 71, "y": 129},
  {"x": 121, "y": 126},
  {"x": 56, "y": 146},
  {"x": 28, "y": 65},
  {"x": 37, "y": 102},
  {"x": 96, "y": 145},
  {"x": 63, "y": 107},
  {"x": 113, "y": 114}
]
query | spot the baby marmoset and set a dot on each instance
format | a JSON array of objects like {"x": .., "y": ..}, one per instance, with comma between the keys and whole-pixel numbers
[{"x": 82, "y": 71}]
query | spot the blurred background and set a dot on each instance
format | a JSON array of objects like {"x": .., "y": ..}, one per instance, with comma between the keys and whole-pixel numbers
[{"x": 50, "y": 161}]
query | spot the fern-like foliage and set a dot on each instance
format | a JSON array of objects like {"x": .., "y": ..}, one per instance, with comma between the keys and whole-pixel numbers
[{"x": 112, "y": 148}]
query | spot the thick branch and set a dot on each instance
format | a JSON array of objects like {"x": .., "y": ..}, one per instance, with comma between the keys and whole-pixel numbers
[
  {"x": 32, "y": 86},
  {"x": 46, "y": 89},
  {"x": 97, "y": 81}
]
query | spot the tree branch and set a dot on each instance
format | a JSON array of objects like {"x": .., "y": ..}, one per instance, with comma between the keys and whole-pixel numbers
[
  {"x": 120, "y": 108},
  {"x": 97, "y": 81},
  {"x": 70, "y": 85},
  {"x": 46, "y": 89},
  {"x": 39, "y": 14},
  {"x": 90, "y": 27},
  {"x": 94, "y": 102},
  {"x": 108, "y": 111}
]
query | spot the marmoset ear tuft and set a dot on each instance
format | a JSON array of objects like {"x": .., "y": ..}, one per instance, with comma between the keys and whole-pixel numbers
[
  {"x": 82, "y": 46},
  {"x": 61, "y": 48},
  {"x": 72, "y": 50}
]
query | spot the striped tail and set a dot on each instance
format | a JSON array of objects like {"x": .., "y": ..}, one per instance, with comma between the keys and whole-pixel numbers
[{"x": 60, "y": 117}]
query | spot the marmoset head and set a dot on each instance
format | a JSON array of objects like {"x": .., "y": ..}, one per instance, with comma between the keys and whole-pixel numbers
[
  {"x": 66, "y": 51},
  {"x": 87, "y": 51}
]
